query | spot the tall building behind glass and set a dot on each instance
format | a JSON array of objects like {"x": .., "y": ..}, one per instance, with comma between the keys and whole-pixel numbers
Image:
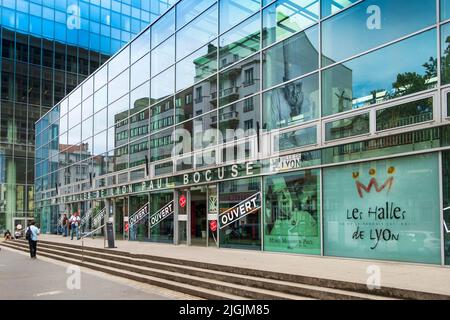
[
  {"x": 48, "y": 47},
  {"x": 309, "y": 127}
]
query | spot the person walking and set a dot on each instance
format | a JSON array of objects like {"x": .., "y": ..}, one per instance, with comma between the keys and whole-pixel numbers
[
  {"x": 32, "y": 237},
  {"x": 74, "y": 224},
  {"x": 65, "y": 225}
]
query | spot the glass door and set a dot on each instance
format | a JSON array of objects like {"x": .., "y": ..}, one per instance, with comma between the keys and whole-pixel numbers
[
  {"x": 120, "y": 215},
  {"x": 198, "y": 216}
]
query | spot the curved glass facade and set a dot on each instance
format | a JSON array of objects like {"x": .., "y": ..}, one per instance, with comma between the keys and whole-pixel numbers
[{"x": 246, "y": 116}]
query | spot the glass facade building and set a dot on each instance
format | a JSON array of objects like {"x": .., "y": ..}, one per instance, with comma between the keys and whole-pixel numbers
[
  {"x": 47, "y": 48},
  {"x": 309, "y": 127}
]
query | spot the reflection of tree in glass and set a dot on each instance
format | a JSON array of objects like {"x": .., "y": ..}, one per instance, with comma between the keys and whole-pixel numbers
[
  {"x": 411, "y": 82},
  {"x": 412, "y": 112},
  {"x": 445, "y": 60}
]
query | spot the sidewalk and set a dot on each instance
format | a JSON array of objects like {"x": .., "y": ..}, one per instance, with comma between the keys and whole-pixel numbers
[{"x": 434, "y": 279}]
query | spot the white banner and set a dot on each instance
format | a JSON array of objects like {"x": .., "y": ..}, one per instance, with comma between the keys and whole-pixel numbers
[
  {"x": 138, "y": 215},
  {"x": 240, "y": 210},
  {"x": 161, "y": 214}
]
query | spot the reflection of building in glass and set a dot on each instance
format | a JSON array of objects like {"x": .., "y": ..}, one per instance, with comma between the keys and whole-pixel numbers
[{"x": 292, "y": 105}]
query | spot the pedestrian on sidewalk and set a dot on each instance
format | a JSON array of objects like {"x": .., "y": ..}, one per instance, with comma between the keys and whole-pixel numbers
[
  {"x": 65, "y": 225},
  {"x": 7, "y": 235},
  {"x": 74, "y": 224},
  {"x": 32, "y": 236}
]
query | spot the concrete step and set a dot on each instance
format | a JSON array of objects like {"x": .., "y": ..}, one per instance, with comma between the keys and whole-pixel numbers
[
  {"x": 251, "y": 281},
  {"x": 305, "y": 286},
  {"x": 396, "y": 293},
  {"x": 241, "y": 290},
  {"x": 172, "y": 285}
]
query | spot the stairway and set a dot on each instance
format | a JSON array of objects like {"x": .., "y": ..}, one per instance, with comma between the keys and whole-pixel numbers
[{"x": 213, "y": 281}]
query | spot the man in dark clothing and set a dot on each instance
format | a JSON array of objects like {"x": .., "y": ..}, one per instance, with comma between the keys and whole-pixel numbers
[{"x": 33, "y": 239}]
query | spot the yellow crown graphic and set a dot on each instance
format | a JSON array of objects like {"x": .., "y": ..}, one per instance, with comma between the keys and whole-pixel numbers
[{"x": 373, "y": 183}]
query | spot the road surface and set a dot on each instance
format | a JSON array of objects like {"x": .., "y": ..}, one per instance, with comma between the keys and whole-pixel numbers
[{"x": 43, "y": 278}]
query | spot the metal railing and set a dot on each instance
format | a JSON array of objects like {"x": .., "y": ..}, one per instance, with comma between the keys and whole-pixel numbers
[{"x": 87, "y": 235}]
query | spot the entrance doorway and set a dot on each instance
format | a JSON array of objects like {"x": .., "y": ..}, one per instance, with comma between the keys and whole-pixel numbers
[
  {"x": 198, "y": 216},
  {"x": 120, "y": 214},
  {"x": 197, "y": 208}
]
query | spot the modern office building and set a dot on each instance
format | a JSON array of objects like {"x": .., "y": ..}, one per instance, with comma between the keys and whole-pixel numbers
[
  {"x": 48, "y": 47},
  {"x": 301, "y": 126}
]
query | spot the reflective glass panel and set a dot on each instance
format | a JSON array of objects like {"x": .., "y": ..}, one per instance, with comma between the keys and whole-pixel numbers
[
  {"x": 197, "y": 33},
  {"x": 189, "y": 9},
  {"x": 118, "y": 111},
  {"x": 405, "y": 114},
  {"x": 163, "y": 85},
  {"x": 348, "y": 127},
  {"x": 87, "y": 107},
  {"x": 161, "y": 115},
  {"x": 240, "y": 42},
  {"x": 359, "y": 83},
  {"x": 139, "y": 98},
  {"x": 100, "y": 99},
  {"x": 446, "y": 187},
  {"x": 163, "y": 231},
  {"x": 243, "y": 233},
  {"x": 291, "y": 58},
  {"x": 196, "y": 100},
  {"x": 119, "y": 86},
  {"x": 295, "y": 139},
  {"x": 372, "y": 23},
  {"x": 119, "y": 63},
  {"x": 161, "y": 145},
  {"x": 286, "y": 17},
  {"x": 445, "y": 53},
  {"x": 239, "y": 120},
  {"x": 292, "y": 212},
  {"x": 239, "y": 81},
  {"x": 197, "y": 66},
  {"x": 163, "y": 28},
  {"x": 100, "y": 121},
  {"x": 401, "y": 222},
  {"x": 292, "y": 103},
  {"x": 140, "y": 71},
  {"x": 445, "y": 10},
  {"x": 234, "y": 11},
  {"x": 330, "y": 7},
  {"x": 140, "y": 46},
  {"x": 163, "y": 56}
]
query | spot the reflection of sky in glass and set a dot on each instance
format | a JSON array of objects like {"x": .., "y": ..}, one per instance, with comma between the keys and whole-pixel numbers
[
  {"x": 378, "y": 70},
  {"x": 348, "y": 34},
  {"x": 332, "y": 6}
]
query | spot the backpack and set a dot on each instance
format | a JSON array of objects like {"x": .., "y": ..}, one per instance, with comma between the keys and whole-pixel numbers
[{"x": 28, "y": 234}]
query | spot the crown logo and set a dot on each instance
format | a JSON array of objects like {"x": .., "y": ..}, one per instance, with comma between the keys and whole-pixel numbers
[{"x": 373, "y": 183}]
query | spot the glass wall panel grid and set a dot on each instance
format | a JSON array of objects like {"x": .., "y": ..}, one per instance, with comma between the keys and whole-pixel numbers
[
  {"x": 240, "y": 42},
  {"x": 345, "y": 85},
  {"x": 291, "y": 58},
  {"x": 445, "y": 53},
  {"x": 197, "y": 33},
  {"x": 233, "y": 11},
  {"x": 163, "y": 56},
  {"x": 372, "y": 23},
  {"x": 332, "y": 7},
  {"x": 355, "y": 125},
  {"x": 291, "y": 103},
  {"x": 196, "y": 100},
  {"x": 163, "y": 28},
  {"x": 188, "y": 10},
  {"x": 239, "y": 80},
  {"x": 197, "y": 66},
  {"x": 284, "y": 18},
  {"x": 406, "y": 112}
]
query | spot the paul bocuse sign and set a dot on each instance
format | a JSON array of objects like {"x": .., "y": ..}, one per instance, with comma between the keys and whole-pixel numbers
[{"x": 385, "y": 210}]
